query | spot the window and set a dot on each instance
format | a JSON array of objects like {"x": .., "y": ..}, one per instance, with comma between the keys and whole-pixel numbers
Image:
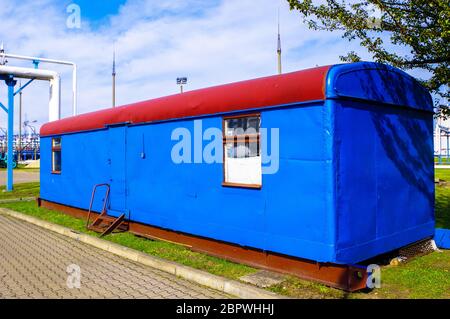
[
  {"x": 242, "y": 151},
  {"x": 56, "y": 155}
]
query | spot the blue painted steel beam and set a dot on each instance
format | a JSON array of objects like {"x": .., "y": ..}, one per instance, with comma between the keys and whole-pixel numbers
[
  {"x": 23, "y": 87},
  {"x": 11, "y": 84},
  {"x": 3, "y": 107}
]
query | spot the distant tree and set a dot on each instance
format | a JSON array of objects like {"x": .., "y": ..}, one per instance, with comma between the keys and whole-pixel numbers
[{"x": 420, "y": 26}]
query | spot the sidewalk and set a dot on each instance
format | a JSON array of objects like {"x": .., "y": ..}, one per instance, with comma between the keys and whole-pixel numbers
[
  {"x": 34, "y": 264},
  {"x": 220, "y": 287},
  {"x": 20, "y": 176}
]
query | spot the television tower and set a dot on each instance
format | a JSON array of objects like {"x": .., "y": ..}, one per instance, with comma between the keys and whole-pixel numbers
[
  {"x": 279, "y": 44},
  {"x": 114, "y": 79}
]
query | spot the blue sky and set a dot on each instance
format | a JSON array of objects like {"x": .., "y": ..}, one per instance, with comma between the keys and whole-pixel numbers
[
  {"x": 210, "y": 42},
  {"x": 98, "y": 10}
]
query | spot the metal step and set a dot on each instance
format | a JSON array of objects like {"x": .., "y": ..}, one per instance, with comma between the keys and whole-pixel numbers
[{"x": 105, "y": 224}]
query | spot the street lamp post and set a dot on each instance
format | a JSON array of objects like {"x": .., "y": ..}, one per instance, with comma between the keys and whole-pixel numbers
[{"x": 181, "y": 81}]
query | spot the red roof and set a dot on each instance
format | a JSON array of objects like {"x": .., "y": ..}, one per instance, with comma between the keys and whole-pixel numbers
[{"x": 301, "y": 86}]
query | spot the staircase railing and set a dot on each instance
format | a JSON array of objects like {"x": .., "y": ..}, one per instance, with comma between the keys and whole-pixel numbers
[{"x": 105, "y": 201}]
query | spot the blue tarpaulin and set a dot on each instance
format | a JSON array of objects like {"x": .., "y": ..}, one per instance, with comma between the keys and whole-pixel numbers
[{"x": 354, "y": 178}]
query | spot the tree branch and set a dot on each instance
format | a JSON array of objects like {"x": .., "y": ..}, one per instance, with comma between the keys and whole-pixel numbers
[{"x": 427, "y": 61}]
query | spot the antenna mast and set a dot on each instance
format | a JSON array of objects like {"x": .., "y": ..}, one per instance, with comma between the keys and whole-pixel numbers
[
  {"x": 279, "y": 44},
  {"x": 114, "y": 79}
]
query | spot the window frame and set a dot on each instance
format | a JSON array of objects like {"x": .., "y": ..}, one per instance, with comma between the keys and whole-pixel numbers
[
  {"x": 235, "y": 138},
  {"x": 54, "y": 150}
]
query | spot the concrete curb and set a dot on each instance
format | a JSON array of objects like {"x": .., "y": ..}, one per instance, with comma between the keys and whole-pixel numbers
[{"x": 231, "y": 287}]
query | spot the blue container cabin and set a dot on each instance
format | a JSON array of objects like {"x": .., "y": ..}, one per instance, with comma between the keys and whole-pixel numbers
[{"x": 355, "y": 174}]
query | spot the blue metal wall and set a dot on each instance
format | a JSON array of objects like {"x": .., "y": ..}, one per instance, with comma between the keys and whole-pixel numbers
[
  {"x": 85, "y": 159},
  {"x": 291, "y": 214},
  {"x": 385, "y": 178},
  {"x": 355, "y": 177},
  {"x": 383, "y": 159}
]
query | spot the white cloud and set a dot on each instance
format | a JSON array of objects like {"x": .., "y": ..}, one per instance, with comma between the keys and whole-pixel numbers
[{"x": 213, "y": 43}]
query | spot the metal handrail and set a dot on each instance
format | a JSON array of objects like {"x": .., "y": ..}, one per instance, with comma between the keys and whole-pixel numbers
[{"x": 92, "y": 200}]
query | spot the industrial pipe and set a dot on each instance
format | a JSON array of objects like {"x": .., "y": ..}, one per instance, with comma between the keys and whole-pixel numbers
[
  {"x": 54, "y": 107},
  {"x": 34, "y": 59}
]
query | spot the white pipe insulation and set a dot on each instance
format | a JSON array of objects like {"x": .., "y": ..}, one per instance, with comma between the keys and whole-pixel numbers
[
  {"x": 35, "y": 59},
  {"x": 54, "y": 105}
]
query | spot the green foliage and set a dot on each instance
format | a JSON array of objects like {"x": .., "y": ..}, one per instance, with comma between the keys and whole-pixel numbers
[{"x": 421, "y": 26}]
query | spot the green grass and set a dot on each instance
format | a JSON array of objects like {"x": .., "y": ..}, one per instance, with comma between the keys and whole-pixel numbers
[
  {"x": 20, "y": 191},
  {"x": 442, "y": 173},
  {"x": 299, "y": 288},
  {"x": 182, "y": 255},
  {"x": 422, "y": 277}
]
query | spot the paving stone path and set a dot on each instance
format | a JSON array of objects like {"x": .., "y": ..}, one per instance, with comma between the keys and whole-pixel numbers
[{"x": 37, "y": 263}]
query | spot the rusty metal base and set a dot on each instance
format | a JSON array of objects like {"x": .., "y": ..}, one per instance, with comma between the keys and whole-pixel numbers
[{"x": 346, "y": 277}]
